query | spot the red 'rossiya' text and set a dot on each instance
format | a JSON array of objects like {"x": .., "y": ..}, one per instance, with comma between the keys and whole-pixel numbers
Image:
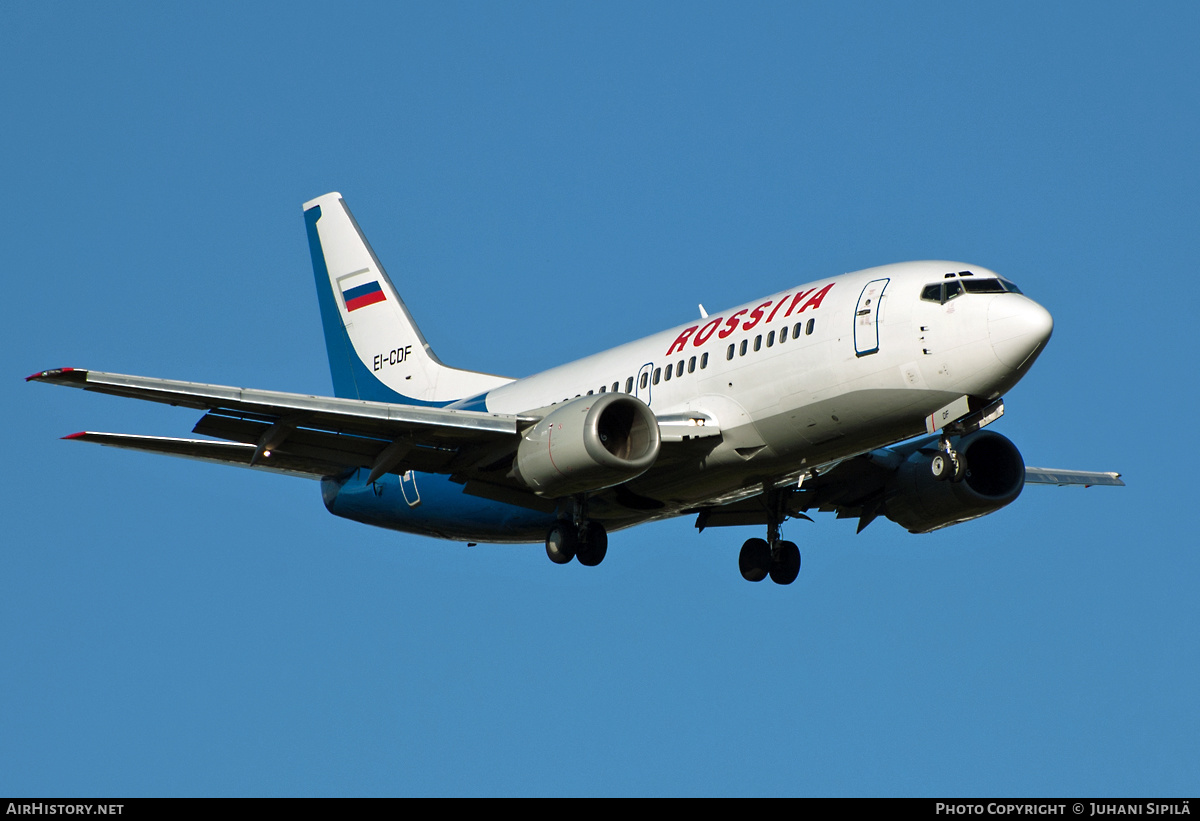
[{"x": 703, "y": 333}]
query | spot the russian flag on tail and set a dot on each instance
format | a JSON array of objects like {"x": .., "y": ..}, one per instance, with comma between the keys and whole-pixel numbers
[{"x": 360, "y": 296}]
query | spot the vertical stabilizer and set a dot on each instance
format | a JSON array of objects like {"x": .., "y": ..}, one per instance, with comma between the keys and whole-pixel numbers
[{"x": 376, "y": 350}]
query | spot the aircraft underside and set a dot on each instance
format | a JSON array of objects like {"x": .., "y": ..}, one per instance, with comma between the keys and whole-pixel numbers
[{"x": 703, "y": 474}]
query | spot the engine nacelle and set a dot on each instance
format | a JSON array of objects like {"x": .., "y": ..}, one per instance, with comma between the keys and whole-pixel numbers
[
  {"x": 921, "y": 503},
  {"x": 588, "y": 444}
]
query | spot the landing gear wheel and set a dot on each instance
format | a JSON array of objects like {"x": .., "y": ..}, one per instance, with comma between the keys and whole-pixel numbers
[
  {"x": 960, "y": 468},
  {"x": 593, "y": 544},
  {"x": 561, "y": 543},
  {"x": 785, "y": 563},
  {"x": 755, "y": 560},
  {"x": 942, "y": 466}
]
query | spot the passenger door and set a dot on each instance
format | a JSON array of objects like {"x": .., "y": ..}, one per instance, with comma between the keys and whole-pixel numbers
[{"x": 866, "y": 315}]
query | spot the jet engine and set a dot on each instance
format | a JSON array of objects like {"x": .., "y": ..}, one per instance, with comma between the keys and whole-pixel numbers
[
  {"x": 588, "y": 444},
  {"x": 995, "y": 477}
]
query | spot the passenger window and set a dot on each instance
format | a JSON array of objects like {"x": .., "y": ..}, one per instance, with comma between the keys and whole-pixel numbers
[
  {"x": 770, "y": 339},
  {"x": 704, "y": 358},
  {"x": 604, "y": 389},
  {"x": 692, "y": 365},
  {"x": 758, "y": 342},
  {"x": 667, "y": 375},
  {"x": 616, "y": 387},
  {"x": 629, "y": 385},
  {"x": 812, "y": 323},
  {"x": 783, "y": 334},
  {"x": 742, "y": 350},
  {"x": 645, "y": 378},
  {"x": 589, "y": 393},
  {"x": 796, "y": 330},
  {"x": 657, "y": 374},
  {"x": 729, "y": 353},
  {"x": 679, "y": 368}
]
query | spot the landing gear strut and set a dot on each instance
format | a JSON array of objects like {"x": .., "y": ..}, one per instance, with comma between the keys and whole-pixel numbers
[
  {"x": 773, "y": 556},
  {"x": 577, "y": 537}
]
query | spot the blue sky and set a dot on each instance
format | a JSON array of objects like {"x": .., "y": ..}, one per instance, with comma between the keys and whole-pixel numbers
[{"x": 543, "y": 180}]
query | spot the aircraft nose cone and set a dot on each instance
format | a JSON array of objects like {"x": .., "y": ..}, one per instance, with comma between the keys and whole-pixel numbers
[{"x": 1018, "y": 329}]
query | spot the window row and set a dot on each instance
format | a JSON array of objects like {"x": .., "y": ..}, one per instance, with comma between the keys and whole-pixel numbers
[
  {"x": 690, "y": 365},
  {"x": 805, "y": 328},
  {"x": 677, "y": 369},
  {"x": 662, "y": 374}
]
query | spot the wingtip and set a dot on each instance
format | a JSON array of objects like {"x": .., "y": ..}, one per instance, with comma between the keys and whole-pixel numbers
[
  {"x": 79, "y": 435},
  {"x": 56, "y": 374}
]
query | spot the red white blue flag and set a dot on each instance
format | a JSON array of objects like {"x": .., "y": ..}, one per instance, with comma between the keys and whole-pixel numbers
[{"x": 360, "y": 296}]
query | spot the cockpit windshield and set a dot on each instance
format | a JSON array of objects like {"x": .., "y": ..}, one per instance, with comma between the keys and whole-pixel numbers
[{"x": 964, "y": 282}]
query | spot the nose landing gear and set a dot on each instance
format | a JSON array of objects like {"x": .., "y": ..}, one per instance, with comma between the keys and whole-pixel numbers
[{"x": 948, "y": 463}]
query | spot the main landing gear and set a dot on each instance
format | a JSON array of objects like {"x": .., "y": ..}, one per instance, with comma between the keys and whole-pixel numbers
[
  {"x": 772, "y": 556},
  {"x": 759, "y": 559},
  {"x": 577, "y": 538},
  {"x": 589, "y": 543}
]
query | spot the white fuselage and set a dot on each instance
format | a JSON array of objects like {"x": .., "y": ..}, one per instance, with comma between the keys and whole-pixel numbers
[{"x": 863, "y": 361}]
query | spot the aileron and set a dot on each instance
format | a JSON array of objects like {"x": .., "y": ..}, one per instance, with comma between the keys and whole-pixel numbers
[{"x": 204, "y": 450}]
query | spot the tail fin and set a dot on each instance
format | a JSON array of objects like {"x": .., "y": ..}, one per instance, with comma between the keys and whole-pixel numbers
[{"x": 376, "y": 350}]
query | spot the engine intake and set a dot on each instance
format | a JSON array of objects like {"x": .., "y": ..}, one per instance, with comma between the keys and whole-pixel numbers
[
  {"x": 588, "y": 444},
  {"x": 995, "y": 477}
]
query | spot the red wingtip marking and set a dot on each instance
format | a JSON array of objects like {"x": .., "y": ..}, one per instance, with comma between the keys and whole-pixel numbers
[
  {"x": 79, "y": 435},
  {"x": 51, "y": 372}
]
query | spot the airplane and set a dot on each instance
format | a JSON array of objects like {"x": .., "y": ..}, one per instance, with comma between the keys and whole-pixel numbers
[{"x": 864, "y": 394}]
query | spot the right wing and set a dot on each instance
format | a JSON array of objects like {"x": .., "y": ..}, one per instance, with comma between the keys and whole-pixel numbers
[
  {"x": 311, "y": 435},
  {"x": 222, "y": 453}
]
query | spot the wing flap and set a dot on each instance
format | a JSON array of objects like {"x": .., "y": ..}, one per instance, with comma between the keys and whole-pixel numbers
[{"x": 348, "y": 450}]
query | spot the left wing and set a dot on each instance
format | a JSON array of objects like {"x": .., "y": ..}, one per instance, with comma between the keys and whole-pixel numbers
[
  {"x": 896, "y": 482},
  {"x": 310, "y": 435},
  {"x": 1062, "y": 478}
]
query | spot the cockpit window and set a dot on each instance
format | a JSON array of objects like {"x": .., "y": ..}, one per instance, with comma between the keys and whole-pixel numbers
[
  {"x": 983, "y": 286},
  {"x": 953, "y": 286}
]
